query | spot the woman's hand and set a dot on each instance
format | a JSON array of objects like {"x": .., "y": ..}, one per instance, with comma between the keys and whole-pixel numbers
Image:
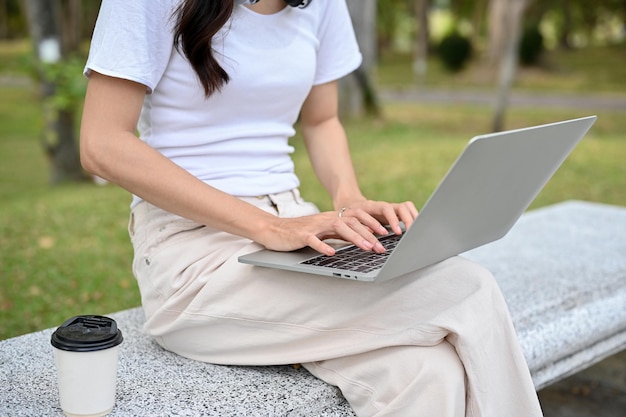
[
  {"x": 360, "y": 224},
  {"x": 384, "y": 213}
]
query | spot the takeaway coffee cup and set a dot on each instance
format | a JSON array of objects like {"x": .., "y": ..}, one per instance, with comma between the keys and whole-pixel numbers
[{"x": 86, "y": 354}]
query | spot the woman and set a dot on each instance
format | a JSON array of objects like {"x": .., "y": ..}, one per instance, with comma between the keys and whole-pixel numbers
[{"x": 213, "y": 89}]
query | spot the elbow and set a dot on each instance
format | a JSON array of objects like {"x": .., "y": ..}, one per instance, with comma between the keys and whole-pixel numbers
[
  {"x": 91, "y": 156},
  {"x": 87, "y": 157}
]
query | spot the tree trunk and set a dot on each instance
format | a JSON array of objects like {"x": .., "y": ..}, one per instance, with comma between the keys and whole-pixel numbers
[
  {"x": 566, "y": 30},
  {"x": 509, "y": 22},
  {"x": 357, "y": 94},
  {"x": 4, "y": 20},
  {"x": 420, "y": 58},
  {"x": 478, "y": 19},
  {"x": 59, "y": 138},
  {"x": 498, "y": 29},
  {"x": 72, "y": 23}
]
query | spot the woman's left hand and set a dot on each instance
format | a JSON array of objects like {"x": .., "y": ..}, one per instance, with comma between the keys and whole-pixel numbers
[{"x": 387, "y": 214}]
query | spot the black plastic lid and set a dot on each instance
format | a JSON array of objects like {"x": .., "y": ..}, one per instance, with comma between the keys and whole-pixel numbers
[{"x": 87, "y": 334}]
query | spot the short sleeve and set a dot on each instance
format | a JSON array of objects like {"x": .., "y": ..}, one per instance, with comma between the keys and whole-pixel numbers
[
  {"x": 133, "y": 40},
  {"x": 338, "y": 53}
]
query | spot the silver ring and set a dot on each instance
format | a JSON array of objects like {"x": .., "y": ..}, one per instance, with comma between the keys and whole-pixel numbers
[{"x": 341, "y": 211}]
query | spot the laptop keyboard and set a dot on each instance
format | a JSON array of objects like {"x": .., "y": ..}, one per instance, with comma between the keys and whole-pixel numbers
[{"x": 355, "y": 259}]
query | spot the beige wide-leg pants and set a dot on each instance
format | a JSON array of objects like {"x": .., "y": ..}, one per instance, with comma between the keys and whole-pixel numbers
[{"x": 438, "y": 342}]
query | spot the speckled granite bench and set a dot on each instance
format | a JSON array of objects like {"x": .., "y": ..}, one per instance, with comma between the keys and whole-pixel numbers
[{"x": 562, "y": 270}]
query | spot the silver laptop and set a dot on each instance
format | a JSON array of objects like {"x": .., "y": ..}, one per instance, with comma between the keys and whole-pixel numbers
[{"x": 484, "y": 193}]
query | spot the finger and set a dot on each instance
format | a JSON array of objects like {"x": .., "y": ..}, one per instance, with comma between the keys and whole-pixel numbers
[
  {"x": 352, "y": 230},
  {"x": 367, "y": 220},
  {"x": 319, "y": 245},
  {"x": 389, "y": 212},
  {"x": 407, "y": 212}
]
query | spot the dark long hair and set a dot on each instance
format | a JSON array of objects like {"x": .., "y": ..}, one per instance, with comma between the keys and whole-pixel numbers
[{"x": 197, "y": 21}]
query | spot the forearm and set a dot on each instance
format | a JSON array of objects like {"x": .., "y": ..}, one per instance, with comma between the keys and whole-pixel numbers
[
  {"x": 328, "y": 150},
  {"x": 136, "y": 167},
  {"x": 327, "y": 145}
]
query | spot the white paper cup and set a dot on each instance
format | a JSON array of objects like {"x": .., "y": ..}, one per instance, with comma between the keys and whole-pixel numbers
[{"x": 86, "y": 350}]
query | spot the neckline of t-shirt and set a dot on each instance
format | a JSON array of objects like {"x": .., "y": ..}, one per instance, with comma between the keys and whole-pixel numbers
[{"x": 262, "y": 15}]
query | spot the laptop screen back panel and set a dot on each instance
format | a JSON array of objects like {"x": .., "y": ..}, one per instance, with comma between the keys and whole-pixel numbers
[{"x": 485, "y": 192}]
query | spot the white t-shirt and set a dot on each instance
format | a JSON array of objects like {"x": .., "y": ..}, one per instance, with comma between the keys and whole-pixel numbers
[{"x": 237, "y": 139}]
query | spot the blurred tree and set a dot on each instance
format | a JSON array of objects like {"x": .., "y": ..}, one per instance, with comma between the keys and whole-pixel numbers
[
  {"x": 57, "y": 89},
  {"x": 387, "y": 20},
  {"x": 422, "y": 41},
  {"x": 357, "y": 92},
  {"x": 505, "y": 29},
  {"x": 454, "y": 50},
  {"x": 12, "y": 22},
  {"x": 566, "y": 24},
  {"x": 390, "y": 17},
  {"x": 4, "y": 19},
  {"x": 71, "y": 24},
  {"x": 531, "y": 46},
  {"x": 471, "y": 10},
  {"x": 570, "y": 17}
]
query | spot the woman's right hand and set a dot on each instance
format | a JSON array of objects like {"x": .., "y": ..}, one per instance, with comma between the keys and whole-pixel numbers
[
  {"x": 359, "y": 228},
  {"x": 287, "y": 234}
]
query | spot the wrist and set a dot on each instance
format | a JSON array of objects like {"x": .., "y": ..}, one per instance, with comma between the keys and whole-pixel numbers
[
  {"x": 345, "y": 202},
  {"x": 263, "y": 228}
]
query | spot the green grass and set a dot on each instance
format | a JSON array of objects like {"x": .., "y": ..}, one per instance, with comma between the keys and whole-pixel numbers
[
  {"x": 600, "y": 70},
  {"x": 64, "y": 250},
  {"x": 15, "y": 58},
  {"x": 422, "y": 141}
]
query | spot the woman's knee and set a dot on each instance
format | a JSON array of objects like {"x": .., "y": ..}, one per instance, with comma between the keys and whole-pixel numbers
[
  {"x": 434, "y": 385},
  {"x": 440, "y": 365},
  {"x": 399, "y": 380},
  {"x": 473, "y": 276}
]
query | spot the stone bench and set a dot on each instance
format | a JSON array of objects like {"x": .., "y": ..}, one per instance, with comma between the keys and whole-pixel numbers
[{"x": 562, "y": 270}]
